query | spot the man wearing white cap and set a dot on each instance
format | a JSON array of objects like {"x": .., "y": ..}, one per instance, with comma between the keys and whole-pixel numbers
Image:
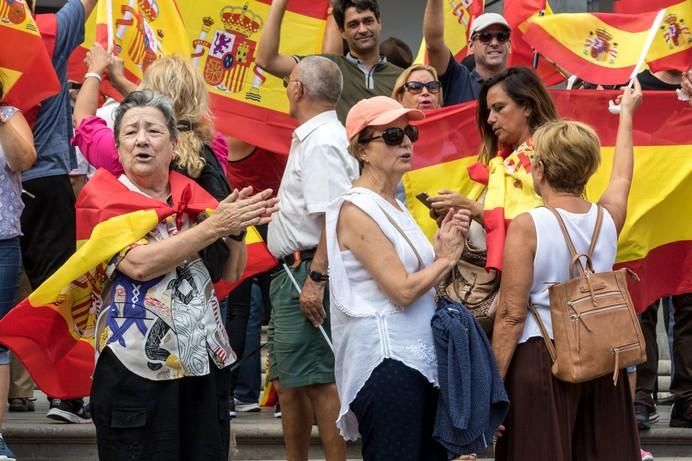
[{"x": 489, "y": 44}]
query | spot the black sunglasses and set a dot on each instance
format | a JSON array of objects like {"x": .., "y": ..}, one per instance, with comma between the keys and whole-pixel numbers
[
  {"x": 487, "y": 37},
  {"x": 395, "y": 136},
  {"x": 414, "y": 87}
]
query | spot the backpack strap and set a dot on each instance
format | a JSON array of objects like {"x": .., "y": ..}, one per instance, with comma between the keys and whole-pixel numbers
[
  {"x": 596, "y": 230},
  {"x": 548, "y": 342},
  {"x": 582, "y": 269}
]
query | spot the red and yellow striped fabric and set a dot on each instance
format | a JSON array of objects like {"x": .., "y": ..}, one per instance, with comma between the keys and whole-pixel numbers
[
  {"x": 28, "y": 74},
  {"x": 248, "y": 103},
  {"x": 604, "y": 48},
  {"x": 641, "y": 6},
  {"x": 517, "y": 13},
  {"x": 52, "y": 330},
  {"x": 143, "y": 30},
  {"x": 458, "y": 16},
  {"x": 656, "y": 241}
]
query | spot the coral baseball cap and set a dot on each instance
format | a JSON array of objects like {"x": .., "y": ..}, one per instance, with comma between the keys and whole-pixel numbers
[
  {"x": 486, "y": 20},
  {"x": 377, "y": 111}
]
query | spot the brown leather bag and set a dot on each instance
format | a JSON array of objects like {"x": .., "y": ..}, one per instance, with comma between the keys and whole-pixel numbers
[
  {"x": 595, "y": 327},
  {"x": 471, "y": 285}
]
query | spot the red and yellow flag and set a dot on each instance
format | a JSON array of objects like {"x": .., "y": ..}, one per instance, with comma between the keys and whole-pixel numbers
[
  {"x": 641, "y": 6},
  {"x": 517, "y": 12},
  {"x": 27, "y": 71},
  {"x": 143, "y": 30},
  {"x": 248, "y": 103},
  {"x": 656, "y": 241},
  {"x": 52, "y": 330},
  {"x": 604, "y": 48},
  {"x": 459, "y": 14}
]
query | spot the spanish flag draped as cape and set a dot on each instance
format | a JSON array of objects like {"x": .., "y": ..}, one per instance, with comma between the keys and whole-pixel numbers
[{"x": 52, "y": 330}]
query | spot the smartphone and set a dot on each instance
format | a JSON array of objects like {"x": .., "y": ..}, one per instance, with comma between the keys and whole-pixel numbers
[{"x": 424, "y": 199}]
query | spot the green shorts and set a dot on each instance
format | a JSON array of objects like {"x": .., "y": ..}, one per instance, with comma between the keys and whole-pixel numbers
[{"x": 298, "y": 353}]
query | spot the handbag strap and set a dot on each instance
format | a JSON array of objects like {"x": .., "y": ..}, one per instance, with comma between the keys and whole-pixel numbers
[
  {"x": 570, "y": 244},
  {"x": 403, "y": 234},
  {"x": 548, "y": 342}
]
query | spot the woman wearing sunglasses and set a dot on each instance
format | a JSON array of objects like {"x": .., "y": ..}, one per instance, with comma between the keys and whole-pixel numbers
[
  {"x": 418, "y": 88},
  {"x": 382, "y": 273}
]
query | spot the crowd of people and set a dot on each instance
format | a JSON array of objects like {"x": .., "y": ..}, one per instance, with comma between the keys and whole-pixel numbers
[{"x": 354, "y": 327}]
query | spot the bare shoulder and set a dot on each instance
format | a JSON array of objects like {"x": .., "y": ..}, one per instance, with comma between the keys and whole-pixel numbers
[
  {"x": 522, "y": 232},
  {"x": 355, "y": 227}
]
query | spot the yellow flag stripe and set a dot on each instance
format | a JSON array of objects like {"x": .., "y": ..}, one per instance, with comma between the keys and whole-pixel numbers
[{"x": 107, "y": 238}]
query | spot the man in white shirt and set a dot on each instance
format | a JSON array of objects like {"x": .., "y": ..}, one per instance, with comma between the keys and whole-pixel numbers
[{"x": 319, "y": 169}]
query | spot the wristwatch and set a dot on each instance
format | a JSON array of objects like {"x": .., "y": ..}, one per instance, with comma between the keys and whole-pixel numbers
[
  {"x": 6, "y": 113},
  {"x": 318, "y": 276}
]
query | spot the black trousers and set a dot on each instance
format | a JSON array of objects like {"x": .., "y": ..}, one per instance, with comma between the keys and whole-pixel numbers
[
  {"x": 175, "y": 420},
  {"x": 396, "y": 413},
  {"x": 647, "y": 373},
  {"x": 48, "y": 223}
]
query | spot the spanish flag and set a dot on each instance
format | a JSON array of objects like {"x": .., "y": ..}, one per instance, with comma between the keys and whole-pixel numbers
[
  {"x": 52, "y": 330},
  {"x": 604, "y": 48},
  {"x": 656, "y": 241},
  {"x": 142, "y": 31},
  {"x": 248, "y": 103},
  {"x": 26, "y": 67},
  {"x": 458, "y": 17},
  {"x": 517, "y": 13}
]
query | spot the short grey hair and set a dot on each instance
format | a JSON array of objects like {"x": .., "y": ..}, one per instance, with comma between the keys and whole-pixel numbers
[
  {"x": 321, "y": 78},
  {"x": 146, "y": 98}
]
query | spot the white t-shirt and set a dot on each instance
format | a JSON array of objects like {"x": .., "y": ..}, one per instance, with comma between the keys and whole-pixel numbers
[{"x": 319, "y": 169}]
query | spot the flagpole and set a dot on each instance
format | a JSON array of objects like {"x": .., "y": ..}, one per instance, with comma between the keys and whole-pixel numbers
[
  {"x": 109, "y": 25},
  {"x": 615, "y": 108},
  {"x": 297, "y": 287}
]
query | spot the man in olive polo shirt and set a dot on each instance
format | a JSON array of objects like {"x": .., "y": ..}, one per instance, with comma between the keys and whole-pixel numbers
[{"x": 366, "y": 73}]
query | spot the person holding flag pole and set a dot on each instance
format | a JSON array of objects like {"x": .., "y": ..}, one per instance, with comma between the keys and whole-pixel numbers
[{"x": 318, "y": 170}]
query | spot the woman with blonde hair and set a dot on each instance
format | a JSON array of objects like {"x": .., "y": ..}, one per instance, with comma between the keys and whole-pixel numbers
[
  {"x": 171, "y": 76},
  {"x": 418, "y": 88},
  {"x": 569, "y": 416}
]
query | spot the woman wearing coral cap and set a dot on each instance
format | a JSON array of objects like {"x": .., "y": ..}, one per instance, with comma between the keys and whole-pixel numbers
[{"x": 382, "y": 273}]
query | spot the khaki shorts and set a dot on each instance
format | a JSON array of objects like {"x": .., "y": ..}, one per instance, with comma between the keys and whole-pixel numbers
[{"x": 298, "y": 353}]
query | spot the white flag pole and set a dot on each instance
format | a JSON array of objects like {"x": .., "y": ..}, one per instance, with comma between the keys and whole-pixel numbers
[
  {"x": 295, "y": 284},
  {"x": 615, "y": 108},
  {"x": 109, "y": 25}
]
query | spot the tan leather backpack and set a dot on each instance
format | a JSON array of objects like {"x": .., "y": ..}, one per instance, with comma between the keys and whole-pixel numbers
[{"x": 595, "y": 327}]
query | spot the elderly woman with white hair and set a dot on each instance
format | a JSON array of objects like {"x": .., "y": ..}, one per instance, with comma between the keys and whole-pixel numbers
[{"x": 161, "y": 345}]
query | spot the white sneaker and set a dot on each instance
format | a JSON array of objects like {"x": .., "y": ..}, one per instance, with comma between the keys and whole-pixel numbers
[{"x": 242, "y": 407}]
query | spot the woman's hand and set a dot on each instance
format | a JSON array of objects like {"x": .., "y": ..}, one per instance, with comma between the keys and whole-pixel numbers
[
  {"x": 630, "y": 99},
  {"x": 97, "y": 59},
  {"x": 449, "y": 241},
  {"x": 242, "y": 209},
  {"x": 447, "y": 199}
]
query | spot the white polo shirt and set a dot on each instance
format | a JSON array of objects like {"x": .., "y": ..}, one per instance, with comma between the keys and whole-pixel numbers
[{"x": 319, "y": 169}]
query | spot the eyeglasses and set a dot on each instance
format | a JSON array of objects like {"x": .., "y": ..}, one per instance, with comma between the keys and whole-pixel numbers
[
  {"x": 414, "y": 87},
  {"x": 395, "y": 136},
  {"x": 287, "y": 80},
  {"x": 487, "y": 37}
]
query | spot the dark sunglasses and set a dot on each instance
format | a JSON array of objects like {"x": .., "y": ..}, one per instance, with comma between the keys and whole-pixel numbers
[
  {"x": 395, "y": 136},
  {"x": 487, "y": 37},
  {"x": 414, "y": 87}
]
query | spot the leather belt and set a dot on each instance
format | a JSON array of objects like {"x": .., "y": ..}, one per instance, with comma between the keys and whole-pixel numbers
[{"x": 298, "y": 256}]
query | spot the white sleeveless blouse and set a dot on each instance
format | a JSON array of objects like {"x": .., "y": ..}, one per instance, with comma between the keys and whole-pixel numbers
[
  {"x": 366, "y": 326},
  {"x": 552, "y": 258}
]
